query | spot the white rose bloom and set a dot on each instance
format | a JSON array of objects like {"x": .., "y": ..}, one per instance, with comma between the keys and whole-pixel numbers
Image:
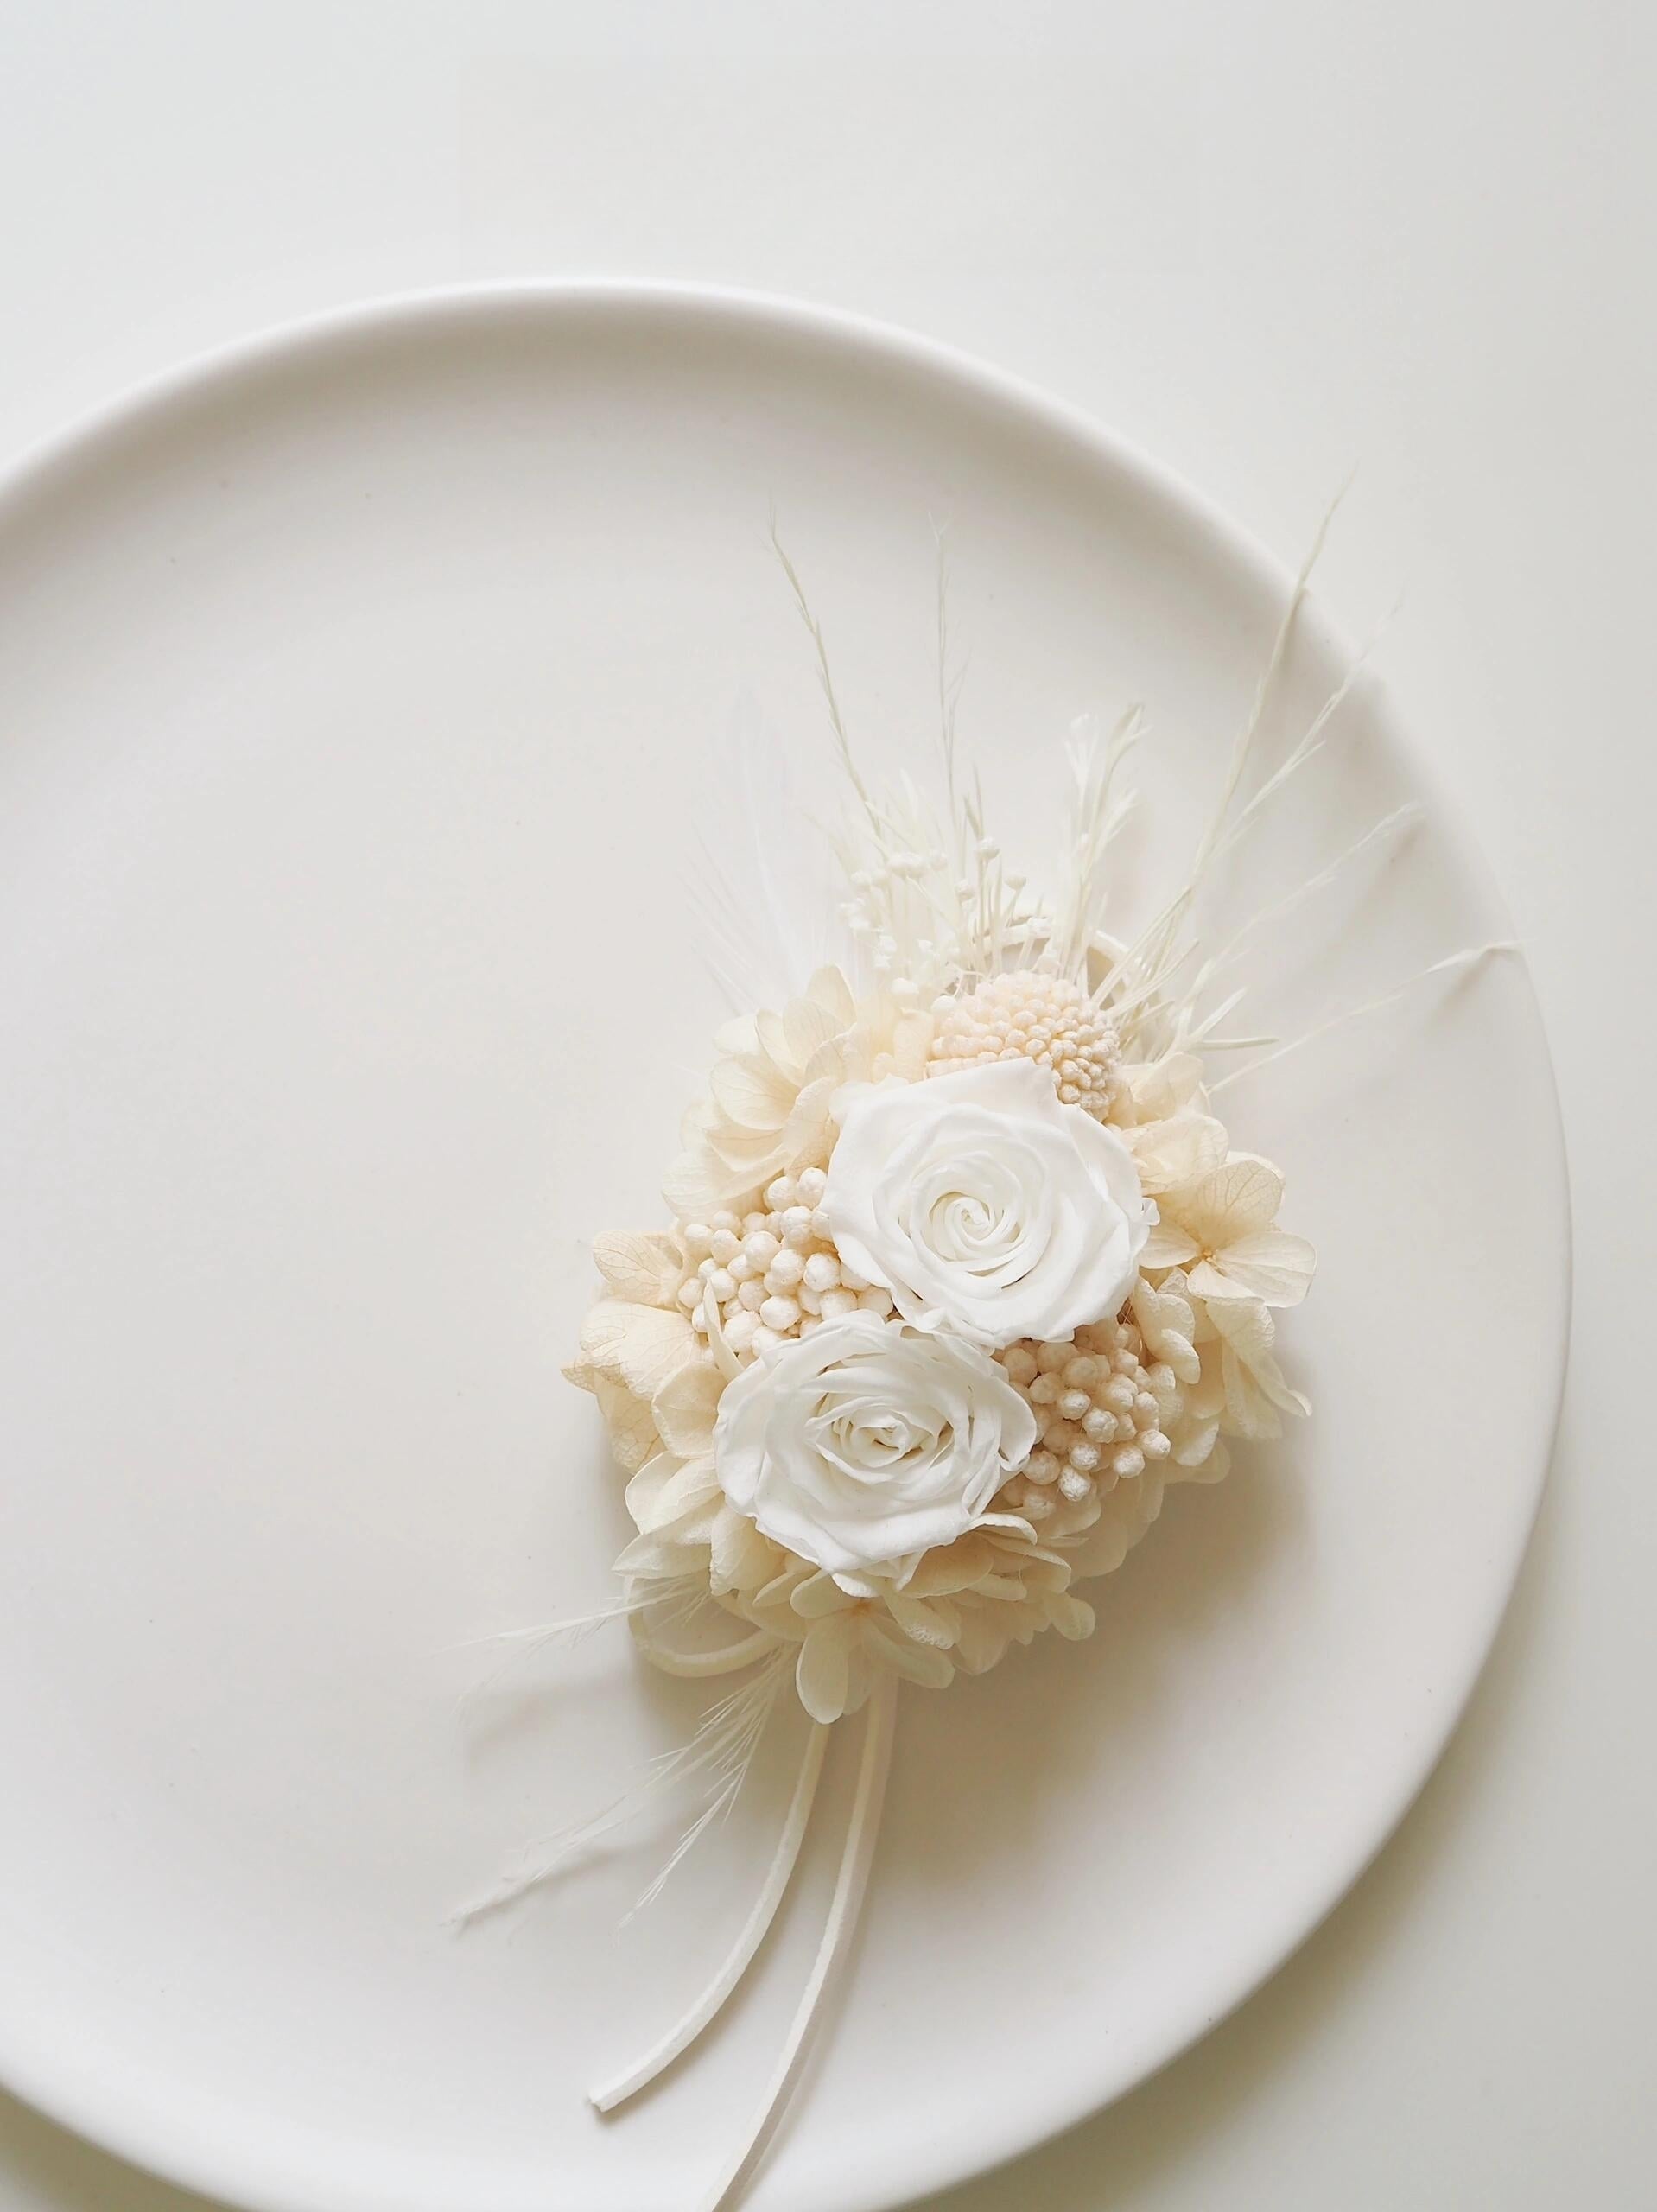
[
  {"x": 868, "y": 1443},
  {"x": 984, "y": 1205}
]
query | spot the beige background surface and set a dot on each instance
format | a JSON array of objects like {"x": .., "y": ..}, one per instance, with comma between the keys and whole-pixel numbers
[{"x": 1268, "y": 243}]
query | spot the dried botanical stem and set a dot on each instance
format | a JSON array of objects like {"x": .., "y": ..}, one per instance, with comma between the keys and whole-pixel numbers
[
  {"x": 719, "y": 1755},
  {"x": 825, "y": 674},
  {"x": 1468, "y": 957}
]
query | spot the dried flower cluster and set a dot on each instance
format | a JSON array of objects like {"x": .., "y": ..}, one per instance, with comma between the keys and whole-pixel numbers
[
  {"x": 1035, "y": 1283},
  {"x": 962, "y": 1272},
  {"x": 1023, "y": 1013}
]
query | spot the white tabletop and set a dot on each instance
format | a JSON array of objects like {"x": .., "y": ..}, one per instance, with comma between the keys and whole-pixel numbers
[{"x": 1267, "y": 243}]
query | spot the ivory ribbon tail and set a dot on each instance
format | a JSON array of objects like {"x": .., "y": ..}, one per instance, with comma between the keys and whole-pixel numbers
[
  {"x": 838, "y": 1930},
  {"x": 707, "y": 2006}
]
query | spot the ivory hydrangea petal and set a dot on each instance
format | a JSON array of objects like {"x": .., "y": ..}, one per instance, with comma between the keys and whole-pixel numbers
[
  {"x": 639, "y": 1270},
  {"x": 1165, "y": 1321},
  {"x": 753, "y": 1091},
  {"x": 1177, "y": 1151},
  {"x": 740, "y": 1556},
  {"x": 626, "y": 1416},
  {"x": 639, "y": 1345},
  {"x": 808, "y": 1025},
  {"x": 1222, "y": 1228},
  {"x": 921, "y": 1663},
  {"x": 1266, "y": 1263},
  {"x": 687, "y": 1487},
  {"x": 684, "y": 1406},
  {"x": 1241, "y": 1196},
  {"x": 823, "y": 1671},
  {"x": 699, "y": 1183},
  {"x": 1170, "y": 1243},
  {"x": 830, "y": 989},
  {"x": 1255, "y": 1392}
]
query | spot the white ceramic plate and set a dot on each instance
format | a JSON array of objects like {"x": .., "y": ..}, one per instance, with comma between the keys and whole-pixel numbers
[{"x": 358, "y": 689}]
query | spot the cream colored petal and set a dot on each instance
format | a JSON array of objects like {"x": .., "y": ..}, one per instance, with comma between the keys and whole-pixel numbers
[
  {"x": 911, "y": 1039},
  {"x": 935, "y": 1623},
  {"x": 859, "y": 1585},
  {"x": 818, "y": 1596},
  {"x": 830, "y": 989},
  {"x": 1193, "y": 1439},
  {"x": 1156, "y": 1089},
  {"x": 983, "y": 1640},
  {"x": 1045, "y": 1574},
  {"x": 687, "y": 1488},
  {"x": 861, "y": 1676},
  {"x": 658, "y": 1556},
  {"x": 582, "y": 1373},
  {"x": 647, "y": 1485},
  {"x": 1166, "y": 1321},
  {"x": 1255, "y": 1391},
  {"x": 752, "y": 1092},
  {"x": 923, "y": 1663},
  {"x": 1178, "y": 1151},
  {"x": 742, "y": 1158},
  {"x": 1170, "y": 1244},
  {"x": 627, "y": 1420},
  {"x": 1266, "y": 1263},
  {"x": 1207, "y": 1282},
  {"x": 1072, "y": 1616},
  {"x": 1212, "y": 1467},
  {"x": 1243, "y": 1195},
  {"x": 1248, "y": 1411},
  {"x": 807, "y": 1135},
  {"x": 1206, "y": 1400},
  {"x": 739, "y": 1035},
  {"x": 1242, "y": 1323},
  {"x": 697, "y": 1183},
  {"x": 780, "y": 1589},
  {"x": 685, "y": 1407},
  {"x": 742, "y": 1559},
  {"x": 808, "y": 1026},
  {"x": 833, "y": 1063},
  {"x": 954, "y": 1566},
  {"x": 640, "y": 1346},
  {"x": 823, "y": 1672},
  {"x": 644, "y": 1270},
  {"x": 1216, "y": 1466},
  {"x": 1128, "y": 1511},
  {"x": 1000, "y": 1586},
  {"x": 772, "y": 1034}
]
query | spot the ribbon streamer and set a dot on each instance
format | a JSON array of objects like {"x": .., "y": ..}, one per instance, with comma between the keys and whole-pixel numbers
[
  {"x": 838, "y": 1930},
  {"x": 706, "y": 2007}
]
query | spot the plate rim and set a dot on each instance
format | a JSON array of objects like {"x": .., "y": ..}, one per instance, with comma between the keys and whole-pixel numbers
[{"x": 288, "y": 342}]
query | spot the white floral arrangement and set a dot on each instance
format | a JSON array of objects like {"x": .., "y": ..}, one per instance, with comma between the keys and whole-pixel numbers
[
  {"x": 1003, "y": 1279},
  {"x": 962, "y": 1271}
]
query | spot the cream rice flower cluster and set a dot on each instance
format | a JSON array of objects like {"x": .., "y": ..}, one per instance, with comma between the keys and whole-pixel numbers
[{"x": 927, "y": 1341}]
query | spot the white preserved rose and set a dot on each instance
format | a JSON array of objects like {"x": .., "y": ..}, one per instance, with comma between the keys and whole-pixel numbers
[
  {"x": 864, "y": 1445},
  {"x": 984, "y": 1205}
]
